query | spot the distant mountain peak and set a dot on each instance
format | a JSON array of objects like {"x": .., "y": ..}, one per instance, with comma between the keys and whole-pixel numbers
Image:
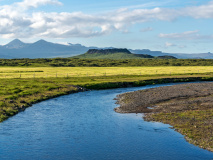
[
  {"x": 16, "y": 41},
  {"x": 15, "y": 44},
  {"x": 42, "y": 41}
]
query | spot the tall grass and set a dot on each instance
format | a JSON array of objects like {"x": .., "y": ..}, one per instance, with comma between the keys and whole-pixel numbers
[{"x": 46, "y": 72}]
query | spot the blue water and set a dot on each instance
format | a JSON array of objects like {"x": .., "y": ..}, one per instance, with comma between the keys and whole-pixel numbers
[{"x": 84, "y": 126}]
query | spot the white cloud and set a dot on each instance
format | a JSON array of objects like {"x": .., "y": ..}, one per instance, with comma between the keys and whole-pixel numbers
[
  {"x": 64, "y": 43},
  {"x": 203, "y": 11},
  {"x": 168, "y": 44},
  {"x": 17, "y": 20},
  {"x": 150, "y": 4},
  {"x": 188, "y": 35},
  {"x": 26, "y": 4}
]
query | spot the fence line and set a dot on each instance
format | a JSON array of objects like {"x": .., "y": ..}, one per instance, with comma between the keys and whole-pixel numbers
[{"x": 87, "y": 74}]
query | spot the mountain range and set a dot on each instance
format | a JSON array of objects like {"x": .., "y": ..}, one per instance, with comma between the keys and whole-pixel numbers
[
  {"x": 40, "y": 49},
  {"x": 44, "y": 49}
]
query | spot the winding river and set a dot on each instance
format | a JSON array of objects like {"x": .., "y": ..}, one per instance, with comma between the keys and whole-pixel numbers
[{"x": 84, "y": 126}]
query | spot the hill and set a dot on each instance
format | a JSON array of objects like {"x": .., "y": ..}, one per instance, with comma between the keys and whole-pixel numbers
[
  {"x": 116, "y": 54},
  {"x": 111, "y": 54}
]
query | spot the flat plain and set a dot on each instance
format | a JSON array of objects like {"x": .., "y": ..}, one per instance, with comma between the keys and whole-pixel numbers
[{"x": 46, "y": 72}]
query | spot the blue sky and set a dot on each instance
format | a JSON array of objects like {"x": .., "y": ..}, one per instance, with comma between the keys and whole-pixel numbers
[{"x": 176, "y": 26}]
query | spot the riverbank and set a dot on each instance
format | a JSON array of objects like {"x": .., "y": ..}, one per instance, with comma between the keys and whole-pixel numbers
[
  {"x": 18, "y": 94},
  {"x": 18, "y": 102},
  {"x": 186, "y": 107}
]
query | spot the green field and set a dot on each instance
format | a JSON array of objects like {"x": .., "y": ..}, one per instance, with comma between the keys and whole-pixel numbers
[{"x": 47, "y": 72}]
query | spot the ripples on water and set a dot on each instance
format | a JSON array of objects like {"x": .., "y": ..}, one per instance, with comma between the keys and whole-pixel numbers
[{"x": 84, "y": 126}]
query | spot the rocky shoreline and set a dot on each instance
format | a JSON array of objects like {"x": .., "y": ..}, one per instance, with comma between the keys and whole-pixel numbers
[
  {"x": 187, "y": 107},
  {"x": 167, "y": 99}
]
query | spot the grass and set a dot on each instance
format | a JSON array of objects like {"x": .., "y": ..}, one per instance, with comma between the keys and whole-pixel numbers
[{"x": 46, "y": 72}]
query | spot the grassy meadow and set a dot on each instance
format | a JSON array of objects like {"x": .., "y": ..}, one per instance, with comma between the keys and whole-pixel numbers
[{"x": 47, "y": 72}]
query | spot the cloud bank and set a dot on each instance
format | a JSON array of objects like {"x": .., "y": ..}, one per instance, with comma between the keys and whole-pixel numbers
[
  {"x": 17, "y": 20},
  {"x": 188, "y": 35}
]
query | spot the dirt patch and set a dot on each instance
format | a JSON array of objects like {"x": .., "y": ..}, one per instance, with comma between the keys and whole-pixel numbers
[{"x": 167, "y": 99}]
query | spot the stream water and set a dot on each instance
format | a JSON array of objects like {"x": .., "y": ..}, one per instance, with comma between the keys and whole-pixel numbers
[{"x": 84, "y": 126}]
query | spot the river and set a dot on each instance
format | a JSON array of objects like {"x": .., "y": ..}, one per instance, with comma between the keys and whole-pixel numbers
[{"x": 84, "y": 126}]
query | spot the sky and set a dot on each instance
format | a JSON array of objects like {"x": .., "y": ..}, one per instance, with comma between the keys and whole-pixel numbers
[{"x": 175, "y": 26}]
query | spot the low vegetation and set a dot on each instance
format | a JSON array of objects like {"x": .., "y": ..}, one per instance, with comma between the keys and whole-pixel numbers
[{"x": 76, "y": 62}]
